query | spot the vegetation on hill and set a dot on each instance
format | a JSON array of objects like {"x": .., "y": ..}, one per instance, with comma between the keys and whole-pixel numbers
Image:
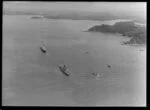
[{"x": 129, "y": 28}]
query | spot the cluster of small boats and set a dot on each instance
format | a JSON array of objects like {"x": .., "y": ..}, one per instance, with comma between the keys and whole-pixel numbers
[
  {"x": 63, "y": 68},
  {"x": 66, "y": 72}
]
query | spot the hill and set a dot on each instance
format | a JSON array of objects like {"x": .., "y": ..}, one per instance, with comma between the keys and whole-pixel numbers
[{"x": 129, "y": 28}]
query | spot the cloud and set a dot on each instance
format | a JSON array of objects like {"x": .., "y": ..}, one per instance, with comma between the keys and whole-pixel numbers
[
  {"x": 132, "y": 7},
  {"x": 78, "y": 6},
  {"x": 118, "y": 6}
]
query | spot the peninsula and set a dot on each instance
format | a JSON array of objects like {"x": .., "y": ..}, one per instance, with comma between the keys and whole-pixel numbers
[{"x": 136, "y": 32}]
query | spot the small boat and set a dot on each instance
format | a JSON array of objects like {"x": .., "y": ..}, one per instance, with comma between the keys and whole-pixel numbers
[
  {"x": 96, "y": 74},
  {"x": 43, "y": 49},
  {"x": 109, "y": 66},
  {"x": 66, "y": 72},
  {"x": 87, "y": 52}
]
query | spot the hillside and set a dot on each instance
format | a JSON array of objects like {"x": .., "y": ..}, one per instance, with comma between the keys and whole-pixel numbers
[{"x": 129, "y": 28}]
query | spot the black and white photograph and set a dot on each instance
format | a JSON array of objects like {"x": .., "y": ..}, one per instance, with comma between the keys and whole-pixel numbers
[{"x": 74, "y": 53}]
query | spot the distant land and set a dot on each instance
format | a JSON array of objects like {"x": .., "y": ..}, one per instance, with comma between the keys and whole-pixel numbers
[
  {"x": 136, "y": 32},
  {"x": 36, "y": 17},
  {"x": 83, "y": 15},
  {"x": 131, "y": 28}
]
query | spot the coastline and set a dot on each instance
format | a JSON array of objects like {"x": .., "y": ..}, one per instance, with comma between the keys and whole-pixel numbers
[{"x": 133, "y": 45}]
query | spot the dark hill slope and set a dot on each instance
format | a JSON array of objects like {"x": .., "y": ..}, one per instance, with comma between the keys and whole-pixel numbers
[{"x": 129, "y": 28}]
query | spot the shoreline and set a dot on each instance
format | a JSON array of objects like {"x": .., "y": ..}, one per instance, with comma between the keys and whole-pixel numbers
[
  {"x": 133, "y": 45},
  {"x": 42, "y": 16}
]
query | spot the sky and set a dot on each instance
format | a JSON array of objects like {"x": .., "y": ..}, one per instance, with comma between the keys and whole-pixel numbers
[{"x": 131, "y": 7}]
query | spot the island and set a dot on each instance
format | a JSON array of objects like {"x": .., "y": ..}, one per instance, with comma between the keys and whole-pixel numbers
[
  {"x": 136, "y": 32},
  {"x": 36, "y": 17}
]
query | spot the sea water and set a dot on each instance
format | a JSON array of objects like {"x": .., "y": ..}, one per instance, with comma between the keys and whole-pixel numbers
[{"x": 32, "y": 78}]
